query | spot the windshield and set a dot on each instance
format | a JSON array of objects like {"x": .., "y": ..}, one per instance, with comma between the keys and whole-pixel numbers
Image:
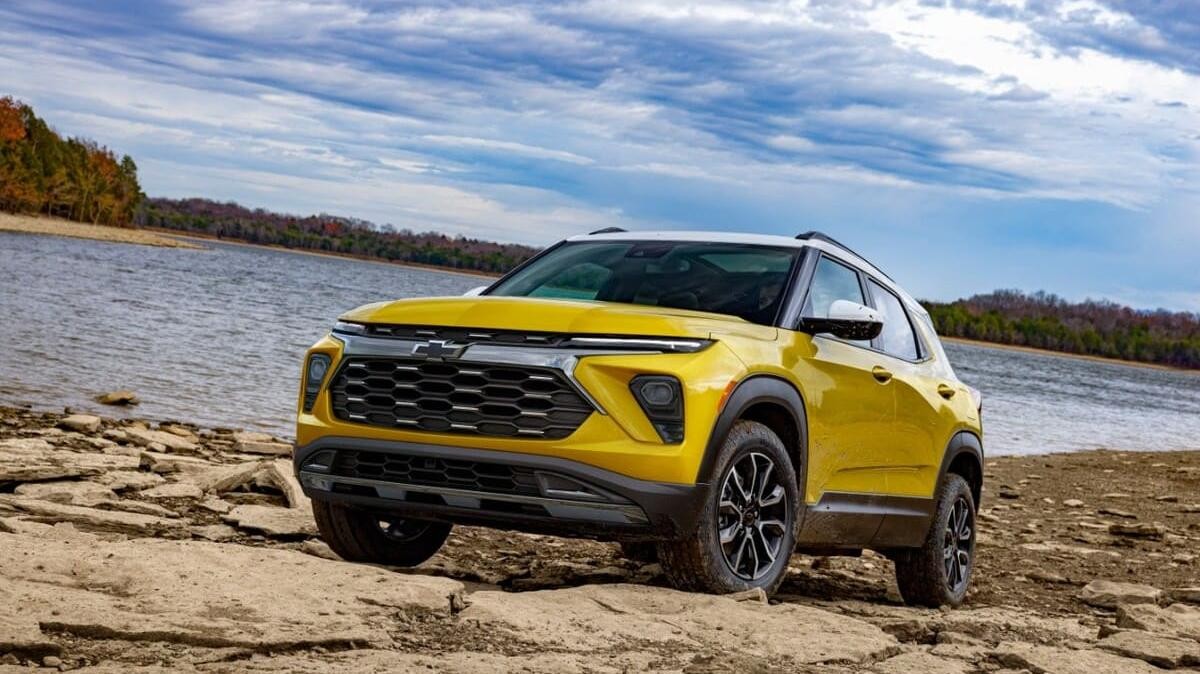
[{"x": 724, "y": 278}]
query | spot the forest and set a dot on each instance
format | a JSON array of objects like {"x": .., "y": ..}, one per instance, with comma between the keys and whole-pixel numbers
[
  {"x": 1093, "y": 328},
  {"x": 73, "y": 178},
  {"x": 329, "y": 233}
]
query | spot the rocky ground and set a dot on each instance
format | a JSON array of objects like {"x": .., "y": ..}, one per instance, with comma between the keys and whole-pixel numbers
[{"x": 127, "y": 546}]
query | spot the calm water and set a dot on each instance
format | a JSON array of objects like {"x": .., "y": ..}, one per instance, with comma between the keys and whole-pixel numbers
[{"x": 216, "y": 337}]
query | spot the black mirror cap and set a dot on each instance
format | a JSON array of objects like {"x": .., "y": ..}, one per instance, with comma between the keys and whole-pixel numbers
[{"x": 857, "y": 331}]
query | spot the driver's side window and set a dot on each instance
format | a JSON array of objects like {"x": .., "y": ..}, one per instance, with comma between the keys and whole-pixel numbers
[{"x": 831, "y": 282}]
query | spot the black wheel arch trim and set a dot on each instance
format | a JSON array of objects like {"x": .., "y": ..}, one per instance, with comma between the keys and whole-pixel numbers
[
  {"x": 964, "y": 442},
  {"x": 750, "y": 391}
]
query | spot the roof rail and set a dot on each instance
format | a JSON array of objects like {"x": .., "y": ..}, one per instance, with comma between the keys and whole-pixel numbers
[
  {"x": 607, "y": 230},
  {"x": 822, "y": 236}
]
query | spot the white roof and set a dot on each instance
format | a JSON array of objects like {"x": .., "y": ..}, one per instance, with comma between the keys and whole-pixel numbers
[{"x": 761, "y": 240}]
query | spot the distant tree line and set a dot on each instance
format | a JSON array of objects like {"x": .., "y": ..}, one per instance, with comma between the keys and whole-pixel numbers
[
  {"x": 1094, "y": 328},
  {"x": 330, "y": 234},
  {"x": 74, "y": 178}
]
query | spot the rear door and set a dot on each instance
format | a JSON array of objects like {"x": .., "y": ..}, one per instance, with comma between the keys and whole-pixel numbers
[{"x": 914, "y": 449}]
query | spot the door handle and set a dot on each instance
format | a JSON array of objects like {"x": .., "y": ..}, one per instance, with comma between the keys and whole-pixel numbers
[
  {"x": 881, "y": 375},
  {"x": 946, "y": 391}
]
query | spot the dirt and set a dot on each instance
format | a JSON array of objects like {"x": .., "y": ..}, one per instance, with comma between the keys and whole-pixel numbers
[{"x": 110, "y": 581}]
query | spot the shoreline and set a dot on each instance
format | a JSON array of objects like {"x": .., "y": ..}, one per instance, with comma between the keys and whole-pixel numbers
[
  {"x": 191, "y": 236},
  {"x": 1064, "y": 354},
  {"x": 50, "y": 226}
]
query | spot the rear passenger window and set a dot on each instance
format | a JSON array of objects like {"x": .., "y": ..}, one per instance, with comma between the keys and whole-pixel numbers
[
  {"x": 832, "y": 281},
  {"x": 898, "y": 338}
]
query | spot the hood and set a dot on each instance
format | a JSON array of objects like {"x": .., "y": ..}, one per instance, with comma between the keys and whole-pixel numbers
[{"x": 563, "y": 316}]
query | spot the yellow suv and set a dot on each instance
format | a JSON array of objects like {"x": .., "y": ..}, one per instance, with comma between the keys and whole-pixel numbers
[{"x": 717, "y": 400}]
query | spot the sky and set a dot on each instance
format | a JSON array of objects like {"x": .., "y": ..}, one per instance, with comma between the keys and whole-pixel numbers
[{"x": 962, "y": 146}]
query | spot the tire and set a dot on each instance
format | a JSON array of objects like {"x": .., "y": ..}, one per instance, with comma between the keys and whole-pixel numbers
[
  {"x": 934, "y": 574},
  {"x": 361, "y": 536},
  {"x": 761, "y": 524}
]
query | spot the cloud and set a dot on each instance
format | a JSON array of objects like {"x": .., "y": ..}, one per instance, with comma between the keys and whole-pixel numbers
[{"x": 535, "y": 119}]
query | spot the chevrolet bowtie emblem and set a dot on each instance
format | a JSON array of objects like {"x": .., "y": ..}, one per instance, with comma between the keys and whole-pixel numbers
[{"x": 438, "y": 349}]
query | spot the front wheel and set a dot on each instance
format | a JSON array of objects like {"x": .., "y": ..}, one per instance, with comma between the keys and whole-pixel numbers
[
  {"x": 939, "y": 571},
  {"x": 361, "y": 536},
  {"x": 746, "y": 530}
]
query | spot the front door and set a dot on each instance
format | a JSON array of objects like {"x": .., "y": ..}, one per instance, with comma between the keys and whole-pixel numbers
[{"x": 850, "y": 397}]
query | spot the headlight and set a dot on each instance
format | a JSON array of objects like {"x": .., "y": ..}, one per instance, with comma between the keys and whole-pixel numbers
[
  {"x": 314, "y": 374},
  {"x": 348, "y": 328},
  {"x": 661, "y": 398}
]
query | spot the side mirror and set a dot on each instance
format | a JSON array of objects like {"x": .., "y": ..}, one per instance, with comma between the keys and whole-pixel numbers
[
  {"x": 475, "y": 292},
  {"x": 846, "y": 320}
]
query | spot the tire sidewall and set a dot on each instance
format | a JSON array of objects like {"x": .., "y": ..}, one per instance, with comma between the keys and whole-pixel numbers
[
  {"x": 952, "y": 488},
  {"x": 744, "y": 438}
]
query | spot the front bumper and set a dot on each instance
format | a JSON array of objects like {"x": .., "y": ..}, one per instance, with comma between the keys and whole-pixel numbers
[{"x": 560, "y": 496}]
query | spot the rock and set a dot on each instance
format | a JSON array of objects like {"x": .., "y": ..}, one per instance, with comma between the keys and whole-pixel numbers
[
  {"x": 1073, "y": 503},
  {"x": 1109, "y": 594},
  {"x": 1043, "y": 576},
  {"x": 141, "y": 507},
  {"x": 1057, "y": 660},
  {"x": 1008, "y": 493},
  {"x": 82, "y": 423},
  {"x": 753, "y": 594},
  {"x": 194, "y": 593},
  {"x": 920, "y": 661},
  {"x": 251, "y": 436},
  {"x": 166, "y": 464},
  {"x": 1156, "y": 649},
  {"x": 602, "y": 618},
  {"x": 273, "y": 521},
  {"x": 319, "y": 549},
  {"x": 1178, "y": 620},
  {"x": 123, "y": 480},
  {"x": 1117, "y": 513},
  {"x": 173, "y": 490},
  {"x": 216, "y": 505},
  {"x": 1190, "y": 508},
  {"x": 271, "y": 448},
  {"x": 994, "y": 624},
  {"x": 20, "y": 636},
  {"x": 215, "y": 532},
  {"x": 92, "y": 519},
  {"x": 1114, "y": 495},
  {"x": 221, "y": 479},
  {"x": 66, "y": 491},
  {"x": 1154, "y": 532},
  {"x": 52, "y": 661},
  {"x": 280, "y": 474},
  {"x": 118, "y": 398},
  {"x": 181, "y": 431},
  {"x": 1167, "y": 498},
  {"x": 35, "y": 460},
  {"x": 145, "y": 438},
  {"x": 1187, "y": 595}
]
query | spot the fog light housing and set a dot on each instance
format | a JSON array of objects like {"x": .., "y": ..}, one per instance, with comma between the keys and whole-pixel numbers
[
  {"x": 661, "y": 398},
  {"x": 314, "y": 375}
]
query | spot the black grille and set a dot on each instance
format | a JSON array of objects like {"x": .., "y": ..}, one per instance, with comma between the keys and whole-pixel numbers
[
  {"x": 436, "y": 472},
  {"x": 466, "y": 335},
  {"x": 457, "y": 397}
]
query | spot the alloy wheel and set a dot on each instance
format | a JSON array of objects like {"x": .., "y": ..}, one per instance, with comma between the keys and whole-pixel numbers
[
  {"x": 958, "y": 544},
  {"x": 753, "y": 516},
  {"x": 402, "y": 530}
]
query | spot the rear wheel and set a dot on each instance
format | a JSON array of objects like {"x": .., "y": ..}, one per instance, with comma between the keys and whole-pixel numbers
[
  {"x": 746, "y": 530},
  {"x": 361, "y": 536},
  {"x": 939, "y": 571}
]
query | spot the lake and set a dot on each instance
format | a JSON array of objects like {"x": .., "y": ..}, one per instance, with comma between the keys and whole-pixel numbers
[{"x": 216, "y": 336}]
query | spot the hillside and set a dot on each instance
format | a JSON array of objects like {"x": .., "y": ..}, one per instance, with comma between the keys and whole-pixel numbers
[
  {"x": 329, "y": 233},
  {"x": 1091, "y": 328}
]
